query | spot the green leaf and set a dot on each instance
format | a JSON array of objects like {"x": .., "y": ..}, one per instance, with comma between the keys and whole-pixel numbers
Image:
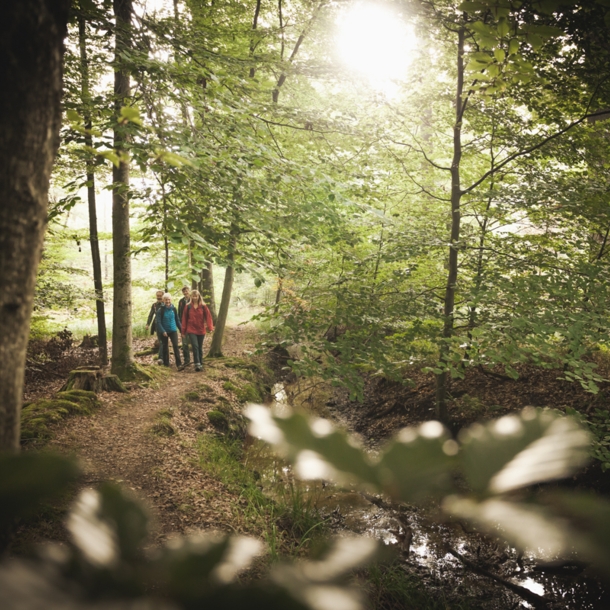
[
  {"x": 111, "y": 156},
  {"x": 73, "y": 116},
  {"x": 513, "y": 46},
  {"x": 516, "y": 451},
  {"x": 480, "y": 28},
  {"x": 503, "y": 27},
  {"x": 131, "y": 114},
  {"x": 535, "y": 41},
  {"x": 116, "y": 522},
  {"x": 471, "y": 7},
  {"x": 28, "y": 479},
  {"x": 530, "y": 528},
  {"x": 315, "y": 447},
  {"x": 500, "y": 55},
  {"x": 418, "y": 463},
  {"x": 194, "y": 565}
]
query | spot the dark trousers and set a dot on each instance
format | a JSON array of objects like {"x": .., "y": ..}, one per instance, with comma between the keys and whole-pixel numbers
[
  {"x": 196, "y": 342},
  {"x": 160, "y": 339},
  {"x": 174, "y": 338},
  {"x": 185, "y": 351}
]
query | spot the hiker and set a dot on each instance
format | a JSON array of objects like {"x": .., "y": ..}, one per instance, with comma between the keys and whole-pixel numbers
[
  {"x": 152, "y": 315},
  {"x": 181, "y": 305},
  {"x": 168, "y": 324},
  {"x": 195, "y": 320}
]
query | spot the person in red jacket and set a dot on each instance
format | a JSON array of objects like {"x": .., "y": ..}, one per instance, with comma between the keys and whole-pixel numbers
[{"x": 196, "y": 319}]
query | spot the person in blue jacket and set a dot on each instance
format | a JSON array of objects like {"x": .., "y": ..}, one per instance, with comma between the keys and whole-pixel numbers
[{"x": 168, "y": 325}]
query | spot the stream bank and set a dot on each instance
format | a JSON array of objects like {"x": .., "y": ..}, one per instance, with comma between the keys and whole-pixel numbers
[{"x": 461, "y": 567}]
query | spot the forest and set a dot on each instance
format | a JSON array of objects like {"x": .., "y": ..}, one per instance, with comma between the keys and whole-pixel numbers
[{"x": 397, "y": 213}]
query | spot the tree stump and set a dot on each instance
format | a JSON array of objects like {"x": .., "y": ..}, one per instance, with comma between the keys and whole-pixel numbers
[{"x": 93, "y": 380}]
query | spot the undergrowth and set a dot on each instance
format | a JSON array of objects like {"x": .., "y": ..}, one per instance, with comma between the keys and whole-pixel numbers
[
  {"x": 289, "y": 522},
  {"x": 391, "y": 587}
]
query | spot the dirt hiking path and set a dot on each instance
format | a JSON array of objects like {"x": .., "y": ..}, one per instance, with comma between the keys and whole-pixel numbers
[{"x": 116, "y": 443}]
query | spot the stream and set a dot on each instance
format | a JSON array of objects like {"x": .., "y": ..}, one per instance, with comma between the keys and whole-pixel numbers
[{"x": 454, "y": 563}]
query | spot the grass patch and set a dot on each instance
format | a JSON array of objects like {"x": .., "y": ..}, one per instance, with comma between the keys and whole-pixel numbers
[
  {"x": 162, "y": 426},
  {"x": 214, "y": 373},
  {"x": 37, "y": 417},
  {"x": 249, "y": 392},
  {"x": 191, "y": 396},
  {"x": 289, "y": 523},
  {"x": 229, "y": 386}
]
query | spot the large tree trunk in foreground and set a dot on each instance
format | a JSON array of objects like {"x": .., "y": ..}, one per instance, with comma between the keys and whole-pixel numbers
[
  {"x": 31, "y": 43},
  {"x": 207, "y": 290},
  {"x": 452, "y": 274},
  {"x": 122, "y": 358},
  {"x": 219, "y": 329},
  {"x": 93, "y": 237}
]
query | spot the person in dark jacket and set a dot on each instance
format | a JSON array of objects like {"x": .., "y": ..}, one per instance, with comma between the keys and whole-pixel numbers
[
  {"x": 196, "y": 319},
  {"x": 168, "y": 324},
  {"x": 152, "y": 315},
  {"x": 181, "y": 305}
]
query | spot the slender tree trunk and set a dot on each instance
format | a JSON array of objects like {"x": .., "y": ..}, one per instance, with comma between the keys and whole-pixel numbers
[
  {"x": 93, "y": 236},
  {"x": 275, "y": 95},
  {"x": 452, "y": 275},
  {"x": 31, "y": 45},
  {"x": 122, "y": 358},
  {"x": 219, "y": 329},
  {"x": 257, "y": 11},
  {"x": 165, "y": 239},
  {"x": 207, "y": 290},
  {"x": 192, "y": 271},
  {"x": 278, "y": 295}
]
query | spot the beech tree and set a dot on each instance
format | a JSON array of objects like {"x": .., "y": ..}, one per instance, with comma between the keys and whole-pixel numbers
[
  {"x": 122, "y": 358},
  {"x": 31, "y": 40}
]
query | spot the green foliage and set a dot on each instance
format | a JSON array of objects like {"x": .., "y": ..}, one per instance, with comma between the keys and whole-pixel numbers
[
  {"x": 105, "y": 555},
  {"x": 28, "y": 479},
  {"x": 495, "y": 460},
  {"x": 598, "y": 424},
  {"x": 392, "y": 587}
]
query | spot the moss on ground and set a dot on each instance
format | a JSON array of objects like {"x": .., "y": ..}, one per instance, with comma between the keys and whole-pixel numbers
[
  {"x": 37, "y": 416},
  {"x": 162, "y": 426},
  {"x": 247, "y": 392},
  {"x": 219, "y": 420}
]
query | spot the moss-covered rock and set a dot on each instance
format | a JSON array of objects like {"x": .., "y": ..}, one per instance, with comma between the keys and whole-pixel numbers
[
  {"x": 250, "y": 393},
  {"x": 219, "y": 420},
  {"x": 38, "y": 416}
]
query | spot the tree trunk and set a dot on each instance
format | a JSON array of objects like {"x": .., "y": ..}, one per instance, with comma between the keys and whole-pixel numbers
[
  {"x": 122, "y": 359},
  {"x": 456, "y": 195},
  {"x": 31, "y": 45},
  {"x": 93, "y": 237},
  {"x": 207, "y": 290},
  {"x": 216, "y": 347}
]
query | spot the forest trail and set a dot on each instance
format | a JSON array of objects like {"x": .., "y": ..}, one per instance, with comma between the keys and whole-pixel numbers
[{"x": 117, "y": 444}]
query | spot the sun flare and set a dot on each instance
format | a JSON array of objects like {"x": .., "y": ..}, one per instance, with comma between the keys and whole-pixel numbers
[{"x": 376, "y": 41}]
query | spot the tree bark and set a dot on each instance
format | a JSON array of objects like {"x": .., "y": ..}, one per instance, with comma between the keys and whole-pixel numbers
[
  {"x": 452, "y": 275},
  {"x": 207, "y": 290},
  {"x": 31, "y": 46},
  {"x": 219, "y": 328},
  {"x": 122, "y": 358},
  {"x": 90, "y": 171}
]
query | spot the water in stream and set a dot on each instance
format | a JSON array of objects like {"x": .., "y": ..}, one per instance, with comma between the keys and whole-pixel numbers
[{"x": 426, "y": 543}]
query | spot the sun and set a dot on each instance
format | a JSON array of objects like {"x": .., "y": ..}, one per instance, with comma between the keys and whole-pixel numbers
[{"x": 374, "y": 40}]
